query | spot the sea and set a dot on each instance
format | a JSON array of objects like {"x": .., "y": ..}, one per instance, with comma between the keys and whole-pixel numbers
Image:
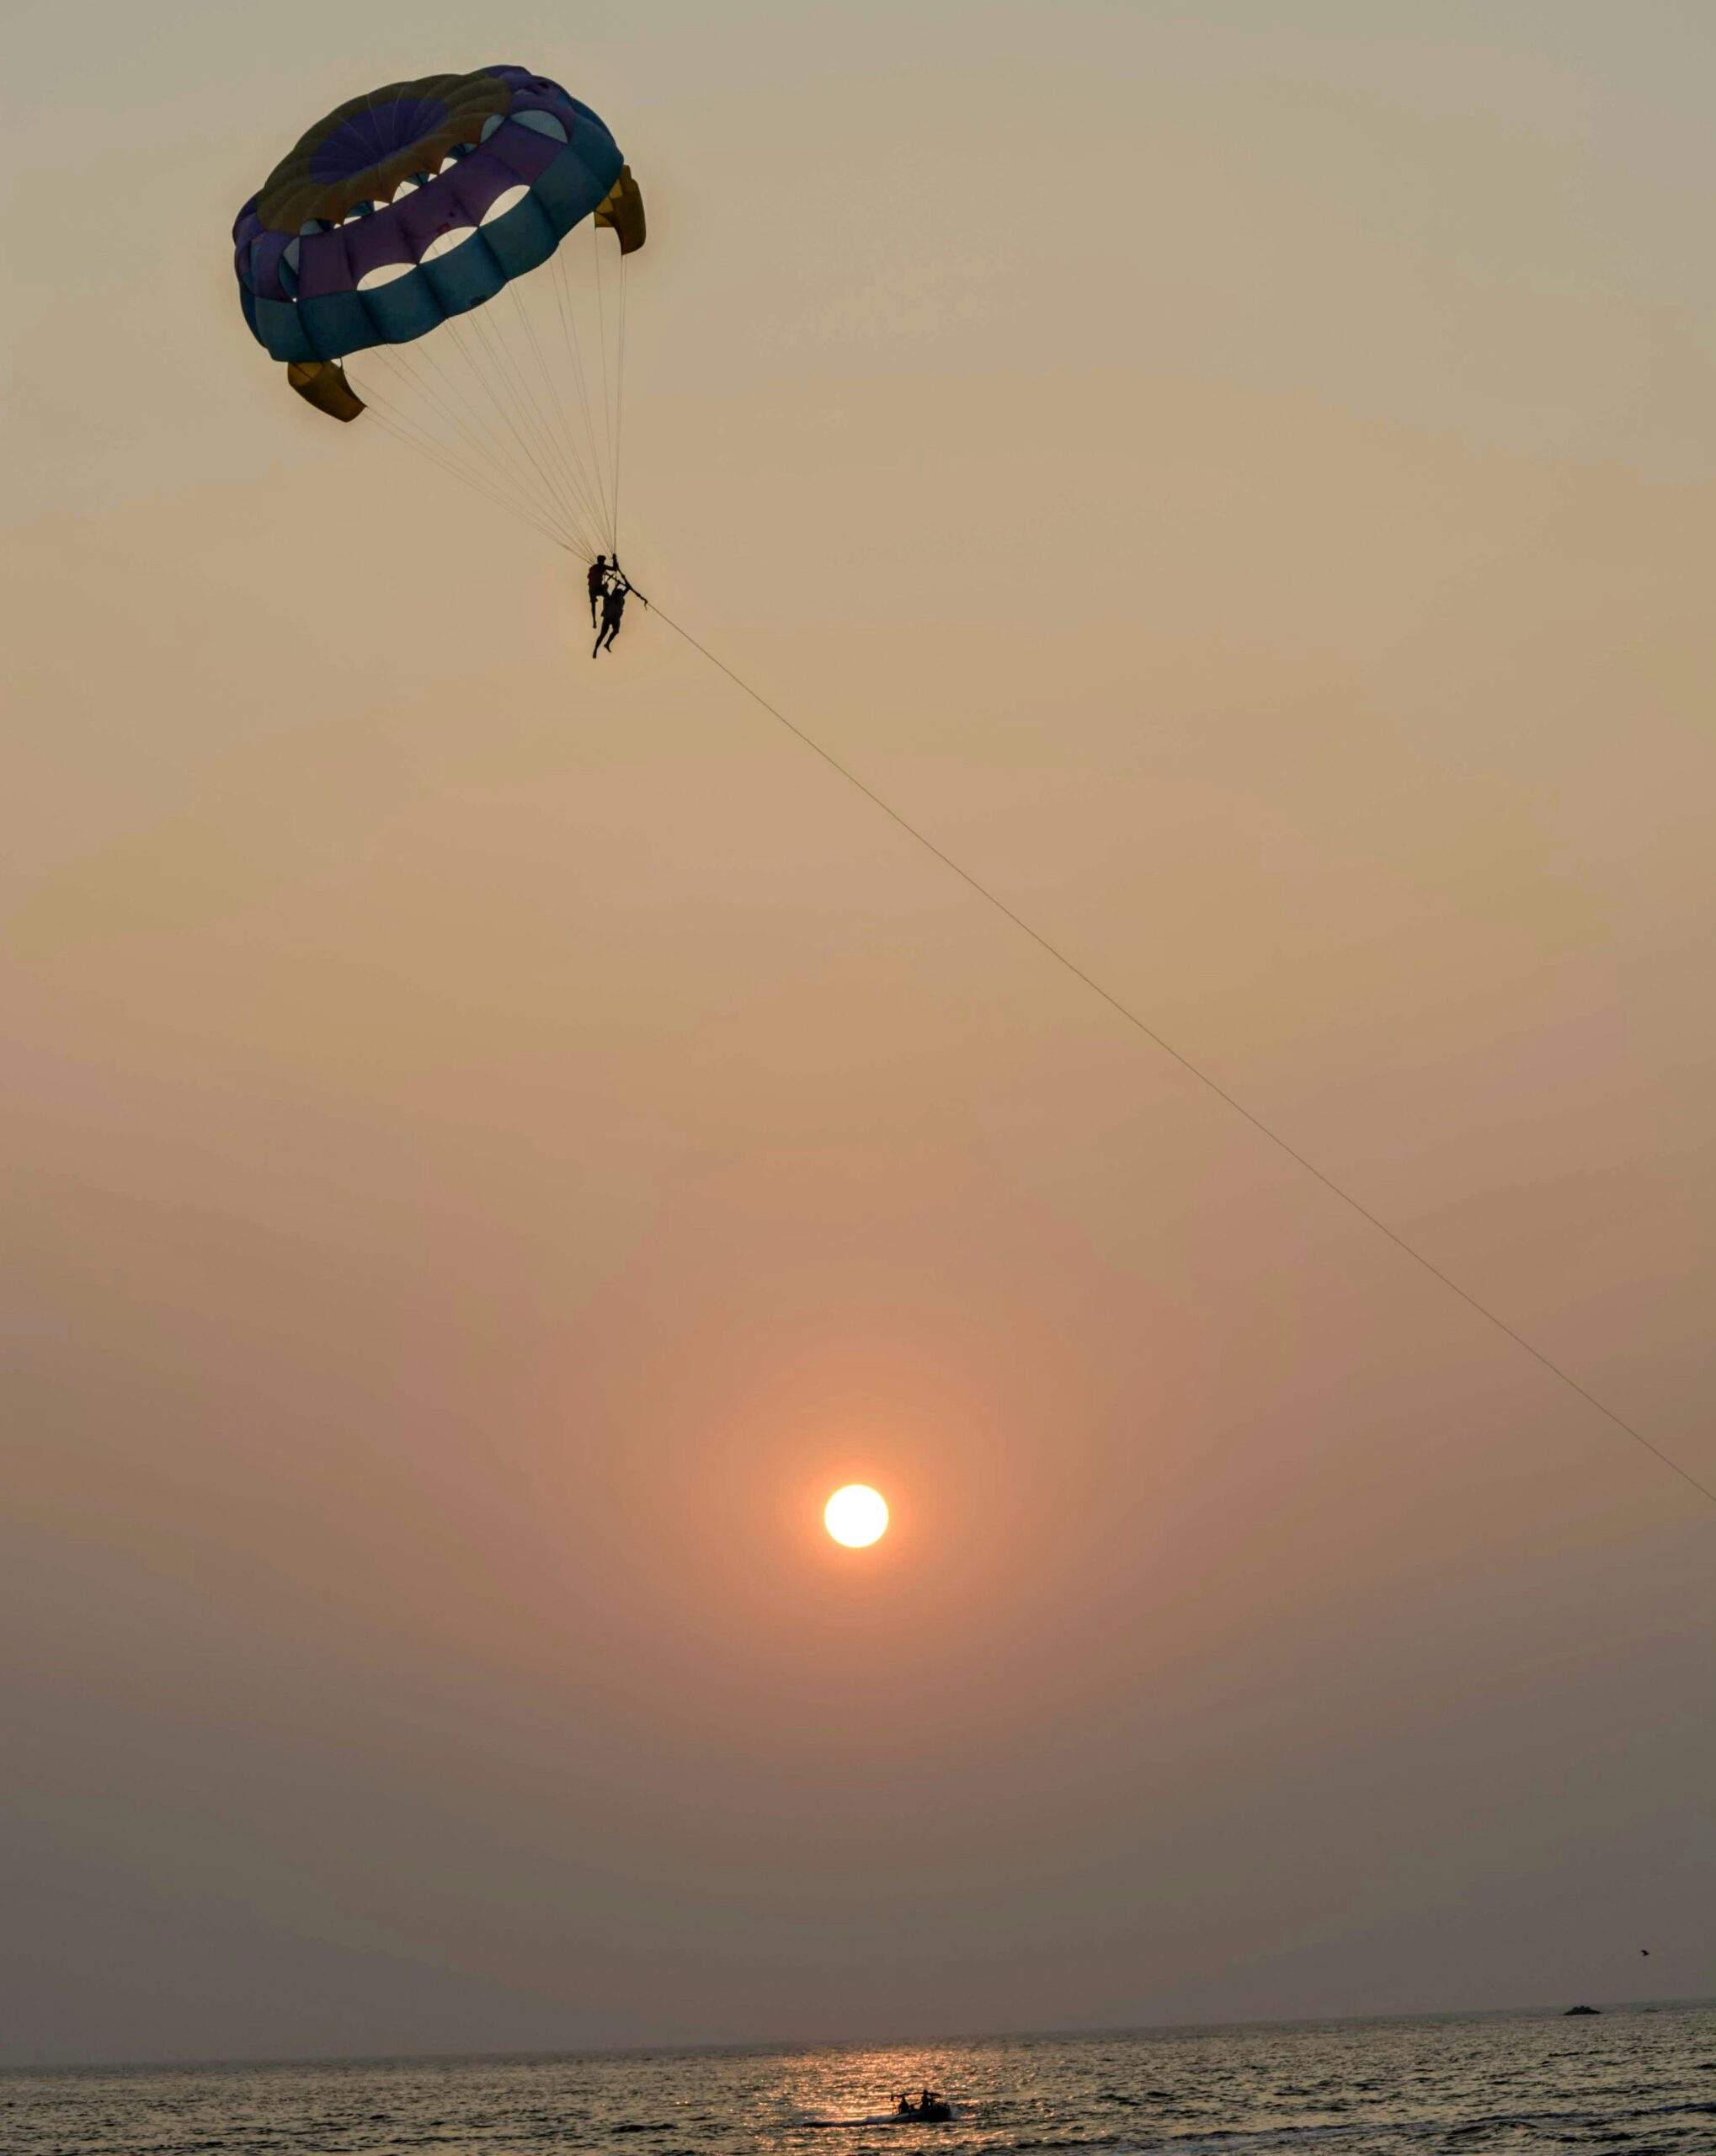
[{"x": 1638, "y": 2080}]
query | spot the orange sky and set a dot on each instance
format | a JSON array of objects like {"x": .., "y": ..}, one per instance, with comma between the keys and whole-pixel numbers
[{"x": 491, "y": 1145}]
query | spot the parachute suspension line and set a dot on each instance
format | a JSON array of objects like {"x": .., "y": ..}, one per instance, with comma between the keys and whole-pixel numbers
[
  {"x": 556, "y": 467},
  {"x": 477, "y": 486},
  {"x": 391, "y": 424},
  {"x": 506, "y": 426},
  {"x": 501, "y": 452},
  {"x": 499, "y": 394},
  {"x": 502, "y": 474},
  {"x": 574, "y": 353},
  {"x": 496, "y": 402},
  {"x": 483, "y": 440},
  {"x": 618, "y": 404},
  {"x": 503, "y": 374},
  {"x": 565, "y": 380},
  {"x": 493, "y": 463},
  {"x": 607, "y": 395},
  {"x": 490, "y": 390},
  {"x": 566, "y": 448},
  {"x": 574, "y": 359},
  {"x": 495, "y": 485},
  {"x": 1157, "y": 1040}
]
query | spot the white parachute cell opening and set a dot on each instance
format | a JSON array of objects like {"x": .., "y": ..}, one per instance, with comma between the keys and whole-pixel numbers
[{"x": 444, "y": 243}]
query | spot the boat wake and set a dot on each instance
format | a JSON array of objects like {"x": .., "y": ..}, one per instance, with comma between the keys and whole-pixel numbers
[{"x": 875, "y": 2119}]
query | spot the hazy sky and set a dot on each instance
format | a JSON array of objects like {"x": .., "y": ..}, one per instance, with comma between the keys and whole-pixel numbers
[{"x": 490, "y": 1145}]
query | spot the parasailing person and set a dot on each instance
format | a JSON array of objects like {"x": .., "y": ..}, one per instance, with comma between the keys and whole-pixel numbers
[{"x": 614, "y": 597}]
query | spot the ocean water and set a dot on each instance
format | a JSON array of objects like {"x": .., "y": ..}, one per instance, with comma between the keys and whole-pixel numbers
[{"x": 1637, "y": 2081}]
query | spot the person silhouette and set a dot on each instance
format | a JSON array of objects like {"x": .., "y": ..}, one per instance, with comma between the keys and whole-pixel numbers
[
  {"x": 619, "y": 588},
  {"x": 597, "y": 580},
  {"x": 613, "y": 608}
]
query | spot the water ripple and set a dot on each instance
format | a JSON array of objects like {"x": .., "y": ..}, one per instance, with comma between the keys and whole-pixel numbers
[{"x": 1495, "y": 2085}]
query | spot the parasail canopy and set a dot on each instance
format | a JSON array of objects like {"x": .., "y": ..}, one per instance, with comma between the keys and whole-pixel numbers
[{"x": 407, "y": 210}]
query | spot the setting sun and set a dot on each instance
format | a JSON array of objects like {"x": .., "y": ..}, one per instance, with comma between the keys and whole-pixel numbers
[{"x": 855, "y": 1516}]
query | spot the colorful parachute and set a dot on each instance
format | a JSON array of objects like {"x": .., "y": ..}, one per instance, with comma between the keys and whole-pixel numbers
[{"x": 424, "y": 226}]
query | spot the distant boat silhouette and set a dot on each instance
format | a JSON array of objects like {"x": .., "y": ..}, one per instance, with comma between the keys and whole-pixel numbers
[
  {"x": 932, "y": 2109},
  {"x": 1583, "y": 2010}
]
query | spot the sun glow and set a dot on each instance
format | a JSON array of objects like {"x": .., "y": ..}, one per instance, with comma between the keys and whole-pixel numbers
[{"x": 856, "y": 1516}]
